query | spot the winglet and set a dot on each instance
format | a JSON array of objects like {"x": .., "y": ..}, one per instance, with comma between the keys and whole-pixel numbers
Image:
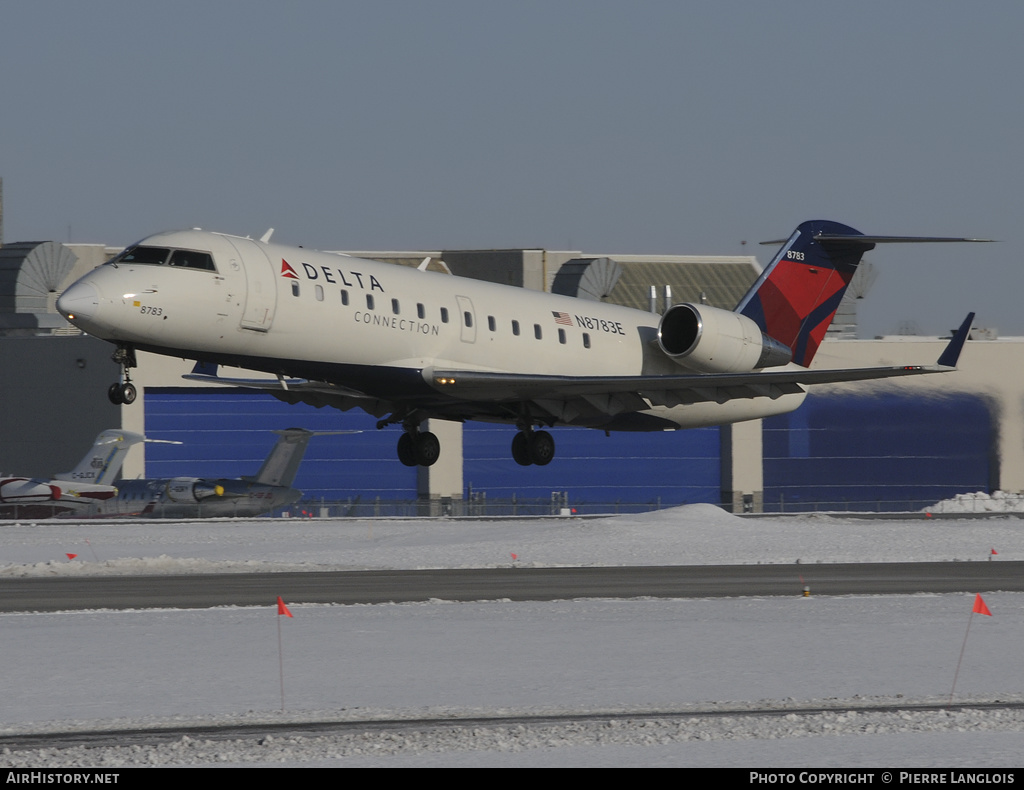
[{"x": 950, "y": 356}]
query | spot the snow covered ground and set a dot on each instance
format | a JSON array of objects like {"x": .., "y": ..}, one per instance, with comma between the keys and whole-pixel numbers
[{"x": 158, "y": 667}]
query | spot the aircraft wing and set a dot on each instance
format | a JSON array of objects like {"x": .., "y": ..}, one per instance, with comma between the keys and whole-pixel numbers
[
  {"x": 468, "y": 394},
  {"x": 208, "y": 373},
  {"x": 294, "y": 390},
  {"x": 616, "y": 394}
]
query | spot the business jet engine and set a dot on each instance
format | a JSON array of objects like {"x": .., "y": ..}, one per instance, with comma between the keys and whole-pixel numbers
[
  {"x": 712, "y": 340},
  {"x": 19, "y": 489},
  {"x": 191, "y": 490}
]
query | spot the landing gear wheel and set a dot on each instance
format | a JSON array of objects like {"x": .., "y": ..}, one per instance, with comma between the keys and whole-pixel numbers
[
  {"x": 122, "y": 394},
  {"x": 542, "y": 448},
  {"x": 418, "y": 449},
  {"x": 407, "y": 449},
  {"x": 521, "y": 449},
  {"x": 428, "y": 448}
]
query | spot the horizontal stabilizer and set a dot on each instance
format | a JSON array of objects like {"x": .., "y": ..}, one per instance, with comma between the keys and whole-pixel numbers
[{"x": 861, "y": 239}]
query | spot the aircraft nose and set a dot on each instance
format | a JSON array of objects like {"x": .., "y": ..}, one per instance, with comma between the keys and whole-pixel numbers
[{"x": 80, "y": 301}]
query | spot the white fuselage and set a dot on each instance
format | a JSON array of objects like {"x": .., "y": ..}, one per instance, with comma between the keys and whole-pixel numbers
[{"x": 376, "y": 328}]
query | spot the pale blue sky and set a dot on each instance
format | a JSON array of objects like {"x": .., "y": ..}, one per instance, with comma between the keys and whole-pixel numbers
[{"x": 631, "y": 127}]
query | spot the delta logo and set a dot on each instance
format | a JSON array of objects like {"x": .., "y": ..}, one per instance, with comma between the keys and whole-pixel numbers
[{"x": 366, "y": 282}]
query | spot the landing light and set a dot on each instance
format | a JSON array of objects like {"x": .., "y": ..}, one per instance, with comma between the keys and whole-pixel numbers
[
  {"x": 444, "y": 380},
  {"x": 128, "y": 296}
]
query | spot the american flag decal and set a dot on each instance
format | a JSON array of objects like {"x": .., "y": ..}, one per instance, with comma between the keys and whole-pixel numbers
[{"x": 562, "y": 318}]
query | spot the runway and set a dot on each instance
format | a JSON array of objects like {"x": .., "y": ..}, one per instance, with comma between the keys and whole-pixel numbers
[{"x": 513, "y": 583}]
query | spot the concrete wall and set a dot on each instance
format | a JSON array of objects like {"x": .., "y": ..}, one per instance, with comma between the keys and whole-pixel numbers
[{"x": 53, "y": 402}]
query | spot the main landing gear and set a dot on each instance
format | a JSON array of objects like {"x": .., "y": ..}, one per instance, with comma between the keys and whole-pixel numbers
[
  {"x": 123, "y": 392},
  {"x": 415, "y": 447},
  {"x": 418, "y": 448},
  {"x": 533, "y": 447},
  {"x": 422, "y": 448}
]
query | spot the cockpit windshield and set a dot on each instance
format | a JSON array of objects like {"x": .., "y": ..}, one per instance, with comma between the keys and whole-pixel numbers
[
  {"x": 155, "y": 256},
  {"x": 161, "y": 256}
]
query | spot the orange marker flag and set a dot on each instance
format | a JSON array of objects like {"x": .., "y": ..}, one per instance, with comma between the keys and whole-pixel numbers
[
  {"x": 994, "y": 552},
  {"x": 282, "y": 608},
  {"x": 979, "y": 608},
  {"x": 70, "y": 556}
]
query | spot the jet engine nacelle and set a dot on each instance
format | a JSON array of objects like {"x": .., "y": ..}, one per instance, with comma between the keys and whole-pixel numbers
[
  {"x": 191, "y": 490},
  {"x": 712, "y": 340}
]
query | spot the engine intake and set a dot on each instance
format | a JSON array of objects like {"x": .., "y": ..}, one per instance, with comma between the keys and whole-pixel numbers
[
  {"x": 712, "y": 340},
  {"x": 191, "y": 490}
]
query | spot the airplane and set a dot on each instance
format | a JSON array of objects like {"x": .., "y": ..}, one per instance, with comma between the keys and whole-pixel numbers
[
  {"x": 70, "y": 493},
  {"x": 196, "y": 497},
  {"x": 407, "y": 345}
]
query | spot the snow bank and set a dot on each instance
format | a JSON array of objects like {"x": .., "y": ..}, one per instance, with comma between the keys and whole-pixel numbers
[{"x": 980, "y": 502}]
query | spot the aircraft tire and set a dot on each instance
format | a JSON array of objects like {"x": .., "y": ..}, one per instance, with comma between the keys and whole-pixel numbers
[
  {"x": 521, "y": 449},
  {"x": 407, "y": 449},
  {"x": 428, "y": 448},
  {"x": 128, "y": 393},
  {"x": 114, "y": 394},
  {"x": 542, "y": 448}
]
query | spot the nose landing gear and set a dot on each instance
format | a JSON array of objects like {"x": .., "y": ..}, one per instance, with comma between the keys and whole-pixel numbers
[{"x": 123, "y": 392}]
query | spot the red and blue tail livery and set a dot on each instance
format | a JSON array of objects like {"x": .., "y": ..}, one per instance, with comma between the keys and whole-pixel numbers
[{"x": 796, "y": 296}]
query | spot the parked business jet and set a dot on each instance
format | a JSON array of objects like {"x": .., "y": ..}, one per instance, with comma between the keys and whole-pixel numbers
[
  {"x": 196, "y": 497},
  {"x": 79, "y": 491},
  {"x": 409, "y": 344}
]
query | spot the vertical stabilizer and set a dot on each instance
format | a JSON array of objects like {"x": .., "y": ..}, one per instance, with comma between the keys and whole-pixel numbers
[
  {"x": 102, "y": 464},
  {"x": 281, "y": 466},
  {"x": 796, "y": 296}
]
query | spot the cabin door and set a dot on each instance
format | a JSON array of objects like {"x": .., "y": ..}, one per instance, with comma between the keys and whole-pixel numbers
[{"x": 260, "y": 285}]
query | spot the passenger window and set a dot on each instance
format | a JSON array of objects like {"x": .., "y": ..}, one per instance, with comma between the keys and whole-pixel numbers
[
  {"x": 444, "y": 315},
  {"x": 319, "y": 291},
  {"x": 295, "y": 288},
  {"x": 586, "y": 340},
  {"x": 468, "y": 318},
  {"x": 344, "y": 296},
  {"x": 491, "y": 323},
  {"x": 561, "y": 336},
  {"x": 421, "y": 311},
  {"x": 536, "y": 331},
  {"x": 369, "y": 301},
  {"x": 515, "y": 328}
]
